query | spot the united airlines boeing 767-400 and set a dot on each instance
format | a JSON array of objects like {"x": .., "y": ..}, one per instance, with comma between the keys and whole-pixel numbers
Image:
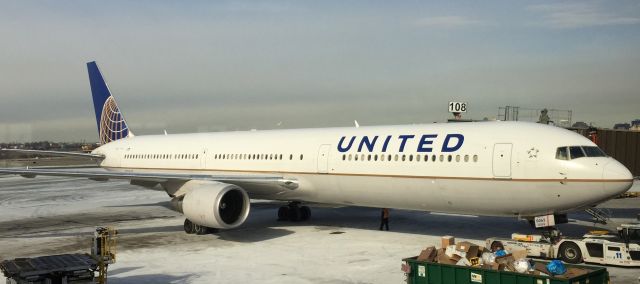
[{"x": 481, "y": 168}]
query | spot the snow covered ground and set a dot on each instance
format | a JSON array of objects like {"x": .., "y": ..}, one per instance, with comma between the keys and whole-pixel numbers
[{"x": 338, "y": 245}]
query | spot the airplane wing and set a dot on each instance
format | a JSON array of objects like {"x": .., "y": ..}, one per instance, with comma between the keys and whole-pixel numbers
[
  {"x": 103, "y": 175},
  {"x": 53, "y": 153}
]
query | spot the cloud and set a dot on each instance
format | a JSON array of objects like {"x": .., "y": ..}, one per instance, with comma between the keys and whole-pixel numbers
[
  {"x": 446, "y": 22},
  {"x": 579, "y": 15}
]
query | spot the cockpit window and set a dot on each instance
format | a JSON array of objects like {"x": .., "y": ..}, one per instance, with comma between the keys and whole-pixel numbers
[
  {"x": 562, "y": 154},
  {"x": 593, "y": 151},
  {"x": 576, "y": 152}
]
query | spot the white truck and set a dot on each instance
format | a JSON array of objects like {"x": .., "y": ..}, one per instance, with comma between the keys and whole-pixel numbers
[{"x": 600, "y": 247}]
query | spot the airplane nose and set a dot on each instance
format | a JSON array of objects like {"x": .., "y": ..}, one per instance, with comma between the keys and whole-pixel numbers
[{"x": 617, "y": 178}]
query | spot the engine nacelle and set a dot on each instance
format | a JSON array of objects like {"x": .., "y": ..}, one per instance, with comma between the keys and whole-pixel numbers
[{"x": 214, "y": 204}]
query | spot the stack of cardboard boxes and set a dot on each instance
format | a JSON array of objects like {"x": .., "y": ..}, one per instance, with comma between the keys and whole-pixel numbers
[{"x": 469, "y": 254}]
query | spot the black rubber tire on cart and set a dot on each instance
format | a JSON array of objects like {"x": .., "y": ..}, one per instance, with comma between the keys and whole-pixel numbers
[{"x": 570, "y": 253}]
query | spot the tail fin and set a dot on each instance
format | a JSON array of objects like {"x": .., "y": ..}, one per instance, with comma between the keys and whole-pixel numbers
[{"x": 111, "y": 123}]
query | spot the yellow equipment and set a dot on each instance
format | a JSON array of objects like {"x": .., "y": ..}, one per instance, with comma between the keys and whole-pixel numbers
[{"x": 104, "y": 250}]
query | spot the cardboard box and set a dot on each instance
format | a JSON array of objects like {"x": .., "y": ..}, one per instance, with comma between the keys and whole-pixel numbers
[
  {"x": 444, "y": 259},
  {"x": 497, "y": 266},
  {"x": 450, "y": 250},
  {"x": 505, "y": 259},
  {"x": 463, "y": 246},
  {"x": 447, "y": 241},
  {"x": 470, "y": 250},
  {"x": 475, "y": 261},
  {"x": 463, "y": 262},
  {"x": 428, "y": 254},
  {"x": 519, "y": 253},
  {"x": 541, "y": 267}
]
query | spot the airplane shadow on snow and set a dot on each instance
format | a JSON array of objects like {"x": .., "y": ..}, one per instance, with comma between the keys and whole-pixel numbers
[{"x": 115, "y": 277}]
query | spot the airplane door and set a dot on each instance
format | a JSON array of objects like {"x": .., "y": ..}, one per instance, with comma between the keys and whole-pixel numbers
[
  {"x": 203, "y": 159},
  {"x": 323, "y": 158},
  {"x": 502, "y": 160}
]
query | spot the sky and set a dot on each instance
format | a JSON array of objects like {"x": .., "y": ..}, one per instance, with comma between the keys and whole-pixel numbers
[{"x": 197, "y": 66}]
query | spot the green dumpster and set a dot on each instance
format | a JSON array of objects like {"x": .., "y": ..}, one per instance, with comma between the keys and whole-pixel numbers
[{"x": 422, "y": 272}]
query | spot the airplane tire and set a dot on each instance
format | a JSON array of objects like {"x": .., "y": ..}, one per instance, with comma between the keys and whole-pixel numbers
[
  {"x": 295, "y": 214},
  {"x": 201, "y": 230},
  {"x": 283, "y": 213},
  {"x": 570, "y": 253},
  {"x": 189, "y": 227},
  {"x": 305, "y": 213}
]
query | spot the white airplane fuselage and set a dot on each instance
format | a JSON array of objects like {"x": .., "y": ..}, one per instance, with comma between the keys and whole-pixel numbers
[{"x": 483, "y": 168}]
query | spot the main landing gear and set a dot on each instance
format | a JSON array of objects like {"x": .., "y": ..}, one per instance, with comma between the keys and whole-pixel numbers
[
  {"x": 192, "y": 228},
  {"x": 294, "y": 212}
]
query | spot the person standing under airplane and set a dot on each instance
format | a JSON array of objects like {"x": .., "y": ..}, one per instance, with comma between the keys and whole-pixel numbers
[{"x": 384, "y": 219}]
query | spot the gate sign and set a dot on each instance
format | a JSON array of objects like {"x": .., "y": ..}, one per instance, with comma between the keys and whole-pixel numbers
[{"x": 457, "y": 107}]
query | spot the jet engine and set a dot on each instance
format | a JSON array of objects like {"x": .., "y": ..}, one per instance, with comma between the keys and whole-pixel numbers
[{"x": 213, "y": 204}]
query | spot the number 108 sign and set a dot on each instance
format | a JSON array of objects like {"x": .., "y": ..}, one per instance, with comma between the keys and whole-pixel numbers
[{"x": 457, "y": 107}]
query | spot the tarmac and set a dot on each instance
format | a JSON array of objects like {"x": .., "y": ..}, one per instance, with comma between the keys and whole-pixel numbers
[{"x": 47, "y": 215}]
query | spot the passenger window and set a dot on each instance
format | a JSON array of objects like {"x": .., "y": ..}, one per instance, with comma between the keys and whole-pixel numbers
[
  {"x": 291, "y": 157},
  {"x": 410, "y": 158},
  {"x": 426, "y": 158},
  {"x": 404, "y": 157},
  {"x": 369, "y": 157},
  {"x": 449, "y": 158},
  {"x": 344, "y": 157},
  {"x": 362, "y": 157},
  {"x": 355, "y": 157},
  {"x": 562, "y": 154},
  {"x": 395, "y": 158},
  {"x": 433, "y": 158},
  {"x": 475, "y": 158},
  {"x": 375, "y": 158},
  {"x": 389, "y": 158},
  {"x": 417, "y": 158},
  {"x": 457, "y": 158},
  {"x": 441, "y": 158},
  {"x": 349, "y": 157},
  {"x": 576, "y": 152}
]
